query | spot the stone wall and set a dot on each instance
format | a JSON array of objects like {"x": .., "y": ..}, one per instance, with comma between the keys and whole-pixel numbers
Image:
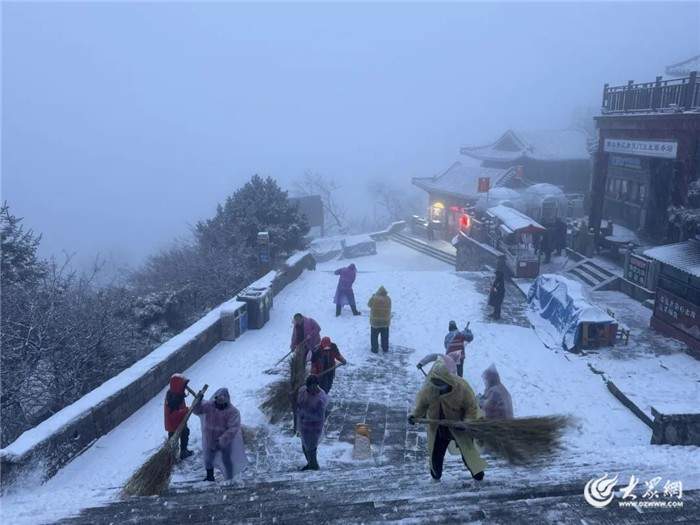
[
  {"x": 472, "y": 255},
  {"x": 69, "y": 432},
  {"x": 675, "y": 429}
]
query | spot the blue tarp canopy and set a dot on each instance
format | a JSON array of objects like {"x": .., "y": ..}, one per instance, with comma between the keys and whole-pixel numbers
[{"x": 557, "y": 308}]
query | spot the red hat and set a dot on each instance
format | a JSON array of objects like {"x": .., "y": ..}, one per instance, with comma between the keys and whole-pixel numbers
[
  {"x": 325, "y": 342},
  {"x": 178, "y": 382}
]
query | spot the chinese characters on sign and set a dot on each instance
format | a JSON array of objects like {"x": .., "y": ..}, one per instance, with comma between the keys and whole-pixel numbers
[
  {"x": 677, "y": 312},
  {"x": 638, "y": 270},
  {"x": 645, "y": 148}
]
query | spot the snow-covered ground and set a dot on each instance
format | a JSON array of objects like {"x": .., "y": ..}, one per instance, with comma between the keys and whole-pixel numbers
[{"x": 426, "y": 294}]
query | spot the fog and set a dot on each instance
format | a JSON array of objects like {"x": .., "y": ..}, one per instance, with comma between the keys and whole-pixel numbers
[{"x": 125, "y": 123}]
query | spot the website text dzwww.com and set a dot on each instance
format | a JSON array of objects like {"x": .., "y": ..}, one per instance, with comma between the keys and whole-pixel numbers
[{"x": 652, "y": 504}]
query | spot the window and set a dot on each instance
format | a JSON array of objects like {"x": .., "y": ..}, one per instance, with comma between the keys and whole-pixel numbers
[{"x": 642, "y": 193}]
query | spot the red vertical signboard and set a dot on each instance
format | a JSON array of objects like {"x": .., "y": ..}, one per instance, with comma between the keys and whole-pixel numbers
[{"x": 484, "y": 184}]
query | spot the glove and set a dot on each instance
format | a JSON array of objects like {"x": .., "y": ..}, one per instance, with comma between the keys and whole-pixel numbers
[
  {"x": 468, "y": 335},
  {"x": 412, "y": 419}
]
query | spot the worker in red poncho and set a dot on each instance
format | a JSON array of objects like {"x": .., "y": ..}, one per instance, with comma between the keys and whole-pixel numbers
[{"x": 175, "y": 410}]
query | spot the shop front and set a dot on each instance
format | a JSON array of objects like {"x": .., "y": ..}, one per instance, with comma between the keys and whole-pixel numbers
[{"x": 647, "y": 159}]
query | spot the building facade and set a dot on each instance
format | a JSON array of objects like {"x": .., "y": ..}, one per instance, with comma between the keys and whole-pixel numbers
[{"x": 647, "y": 156}]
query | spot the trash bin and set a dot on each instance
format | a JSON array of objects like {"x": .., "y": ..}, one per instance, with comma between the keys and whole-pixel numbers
[
  {"x": 229, "y": 324},
  {"x": 259, "y": 302}
]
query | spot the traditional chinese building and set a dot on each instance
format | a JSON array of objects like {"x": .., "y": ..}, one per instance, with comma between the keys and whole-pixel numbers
[
  {"x": 647, "y": 162},
  {"x": 558, "y": 157},
  {"x": 453, "y": 190}
]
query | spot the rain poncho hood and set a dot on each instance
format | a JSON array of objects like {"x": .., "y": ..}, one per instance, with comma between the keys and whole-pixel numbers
[
  {"x": 459, "y": 404},
  {"x": 380, "y": 309},
  {"x": 221, "y": 433},
  {"x": 496, "y": 401}
]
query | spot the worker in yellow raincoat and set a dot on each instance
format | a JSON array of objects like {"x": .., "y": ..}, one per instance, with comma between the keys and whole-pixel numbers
[{"x": 446, "y": 396}]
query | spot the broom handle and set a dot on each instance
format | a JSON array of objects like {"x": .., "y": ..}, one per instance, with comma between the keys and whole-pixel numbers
[
  {"x": 328, "y": 370},
  {"x": 460, "y": 425},
  {"x": 287, "y": 355},
  {"x": 197, "y": 399}
]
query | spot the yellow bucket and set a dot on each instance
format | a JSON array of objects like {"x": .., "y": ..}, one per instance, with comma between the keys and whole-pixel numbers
[{"x": 362, "y": 429}]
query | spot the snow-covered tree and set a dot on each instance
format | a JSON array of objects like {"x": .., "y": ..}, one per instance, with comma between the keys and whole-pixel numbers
[{"x": 260, "y": 205}]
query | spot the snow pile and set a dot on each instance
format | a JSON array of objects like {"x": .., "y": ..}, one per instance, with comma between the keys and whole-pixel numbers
[
  {"x": 513, "y": 219},
  {"x": 343, "y": 246},
  {"x": 500, "y": 196},
  {"x": 557, "y": 308}
]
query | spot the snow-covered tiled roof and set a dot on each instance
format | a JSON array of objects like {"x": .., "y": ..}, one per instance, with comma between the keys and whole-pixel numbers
[
  {"x": 684, "y": 68},
  {"x": 684, "y": 256},
  {"x": 513, "y": 219},
  {"x": 459, "y": 180},
  {"x": 544, "y": 145}
]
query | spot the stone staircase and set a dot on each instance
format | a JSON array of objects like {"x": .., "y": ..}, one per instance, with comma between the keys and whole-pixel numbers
[
  {"x": 425, "y": 248},
  {"x": 394, "y": 485},
  {"x": 592, "y": 274},
  {"x": 396, "y": 493}
]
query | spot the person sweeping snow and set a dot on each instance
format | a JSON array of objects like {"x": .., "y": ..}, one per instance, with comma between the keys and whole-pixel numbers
[
  {"x": 222, "y": 439},
  {"x": 446, "y": 358},
  {"x": 175, "y": 410},
  {"x": 323, "y": 363},
  {"x": 311, "y": 413},
  {"x": 344, "y": 294},
  {"x": 496, "y": 401},
  {"x": 454, "y": 344},
  {"x": 306, "y": 333},
  {"x": 445, "y": 396}
]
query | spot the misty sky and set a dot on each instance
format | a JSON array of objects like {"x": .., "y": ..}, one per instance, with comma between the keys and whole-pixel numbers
[{"x": 124, "y": 123}]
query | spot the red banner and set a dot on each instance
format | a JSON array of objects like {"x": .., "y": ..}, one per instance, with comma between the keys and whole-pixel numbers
[{"x": 484, "y": 184}]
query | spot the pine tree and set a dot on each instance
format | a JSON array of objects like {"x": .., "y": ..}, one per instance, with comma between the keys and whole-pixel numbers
[
  {"x": 260, "y": 205},
  {"x": 18, "y": 262}
]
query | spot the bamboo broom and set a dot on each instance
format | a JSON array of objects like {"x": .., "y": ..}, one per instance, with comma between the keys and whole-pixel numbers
[
  {"x": 153, "y": 477},
  {"x": 518, "y": 441}
]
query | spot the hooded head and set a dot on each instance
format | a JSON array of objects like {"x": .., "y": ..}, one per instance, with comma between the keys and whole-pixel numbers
[
  {"x": 381, "y": 291},
  {"x": 353, "y": 267},
  {"x": 440, "y": 378},
  {"x": 222, "y": 399},
  {"x": 325, "y": 343},
  {"x": 298, "y": 318},
  {"x": 312, "y": 384},
  {"x": 452, "y": 326},
  {"x": 178, "y": 382},
  {"x": 490, "y": 376}
]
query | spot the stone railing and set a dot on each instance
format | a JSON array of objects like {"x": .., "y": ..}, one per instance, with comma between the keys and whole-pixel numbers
[{"x": 65, "y": 435}]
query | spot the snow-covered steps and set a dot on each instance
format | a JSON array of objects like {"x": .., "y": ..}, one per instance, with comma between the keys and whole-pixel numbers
[
  {"x": 591, "y": 273},
  {"x": 425, "y": 248},
  {"x": 387, "y": 494}
]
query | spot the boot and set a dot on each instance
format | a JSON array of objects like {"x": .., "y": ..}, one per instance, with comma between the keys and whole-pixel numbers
[
  {"x": 313, "y": 462},
  {"x": 354, "y": 311},
  {"x": 308, "y": 461},
  {"x": 184, "y": 451},
  {"x": 210, "y": 475},
  {"x": 479, "y": 476}
]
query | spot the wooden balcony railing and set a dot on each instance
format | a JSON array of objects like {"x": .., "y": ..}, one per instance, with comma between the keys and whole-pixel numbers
[{"x": 674, "y": 95}]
